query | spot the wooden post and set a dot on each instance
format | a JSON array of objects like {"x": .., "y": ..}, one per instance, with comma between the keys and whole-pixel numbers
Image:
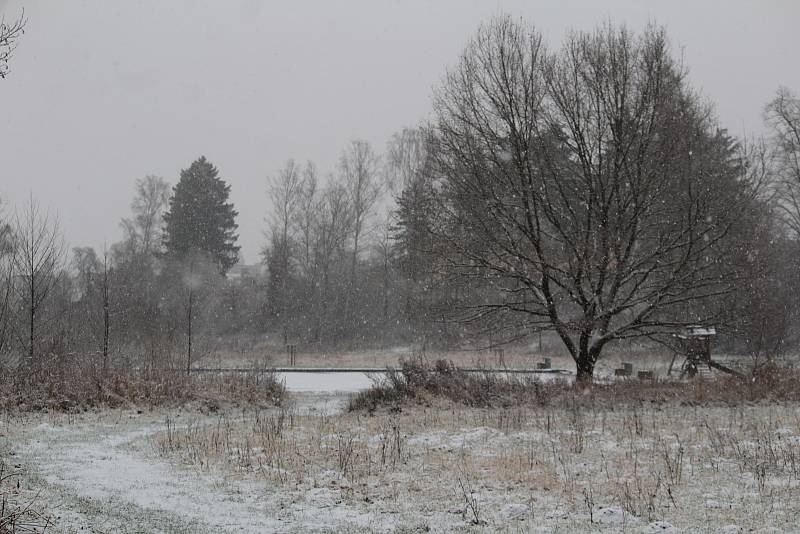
[{"x": 672, "y": 362}]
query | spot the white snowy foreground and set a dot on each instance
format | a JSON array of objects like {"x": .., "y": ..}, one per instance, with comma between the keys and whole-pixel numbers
[{"x": 434, "y": 468}]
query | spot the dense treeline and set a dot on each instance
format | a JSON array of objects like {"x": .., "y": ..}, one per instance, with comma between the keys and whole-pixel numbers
[{"x": 585, "y": 190}]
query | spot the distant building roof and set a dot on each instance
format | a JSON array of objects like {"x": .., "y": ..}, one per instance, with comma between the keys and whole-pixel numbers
[{"x": 698, "y": 331}]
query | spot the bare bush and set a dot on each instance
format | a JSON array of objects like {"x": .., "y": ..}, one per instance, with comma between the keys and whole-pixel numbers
[
  {"x": 417, "y": 380},
  {"x": 78, "y": 381},
  {"x": 18, "y": 517}
]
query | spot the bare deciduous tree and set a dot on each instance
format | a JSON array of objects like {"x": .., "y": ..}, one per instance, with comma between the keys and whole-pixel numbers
[
  {"x": 37, "y": 260},
  {"x": 305, "y": 217},
  {"x": 285, "y": 194},
  {"x": 143, "y": 232},
  {"x": 9, "y": 35},
  {"x": 586, "y": 191},
  {"x": 93, "y": 276},
  {"x": 333, "y": 225},
  {"x": 782, "y": 115},
  {"x": 359, "y": 169},
  {"x": 405, "y": 158}
]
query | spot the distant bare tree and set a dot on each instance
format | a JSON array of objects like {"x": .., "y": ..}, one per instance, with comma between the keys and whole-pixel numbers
[
  {"x": 143, "y": 231},
  {"x": 584, "y": 191},
  {"x": 333, "y": 225},
  {"x": 358, "y": 166},
  {"x": 94, "y": 284},
  {"x": 105, "y": 288},
  {"x": 359, "y": 170},
  {"x": 782, "y": 115},
  {"x": 37, "y": 260},
  {"x": 384, "y": 250},
  {"x": 136, "y": 296},
  {"x": 192, "y": 286},
  {"x": 408, "y": 169},
  {"x": 405, "y": 158},
  {"x": 9, "y": 35},
  {"x": 304, "y": 218},
  {"x": 285, "y": 194}
]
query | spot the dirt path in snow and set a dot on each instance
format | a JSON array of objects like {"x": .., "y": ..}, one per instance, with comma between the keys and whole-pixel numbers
[{"x": 101, "y": 475}]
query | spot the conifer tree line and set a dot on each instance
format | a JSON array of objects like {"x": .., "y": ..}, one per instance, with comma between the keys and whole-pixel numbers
[{"x": 580, "y": 189}]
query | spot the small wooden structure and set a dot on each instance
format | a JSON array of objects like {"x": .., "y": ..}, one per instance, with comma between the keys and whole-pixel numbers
[
  {"x": 625, "y": 370},
  {"x": 646, "y": 375},
  {"x": 694, "y": 344}
]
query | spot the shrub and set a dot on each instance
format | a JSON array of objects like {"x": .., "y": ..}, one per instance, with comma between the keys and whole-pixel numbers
[
  {"x": 416, "y": 379},
  {"x": 77, "y": 381}
]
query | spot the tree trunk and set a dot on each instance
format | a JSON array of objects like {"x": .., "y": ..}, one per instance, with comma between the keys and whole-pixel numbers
[
  {"x": 105, "y": 332},
  {"x": 584, "y": 368},
  {"x": 385, "y": 290},
  {"x": 32, "y": 318},
  {"x": 105, "y": 315},
  {"x": 189, "y": 320}
]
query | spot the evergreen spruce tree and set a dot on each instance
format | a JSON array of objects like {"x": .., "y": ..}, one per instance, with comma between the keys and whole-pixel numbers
[
  {"x": 200, "y": 218},
  {"x": 412, "y": 230}
]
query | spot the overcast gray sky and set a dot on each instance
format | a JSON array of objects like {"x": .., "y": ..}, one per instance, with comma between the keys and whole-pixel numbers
[{"x": 103, "y": 92}]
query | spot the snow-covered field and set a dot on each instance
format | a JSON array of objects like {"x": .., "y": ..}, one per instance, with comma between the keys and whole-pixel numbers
[{"x": 435, "y": 467}]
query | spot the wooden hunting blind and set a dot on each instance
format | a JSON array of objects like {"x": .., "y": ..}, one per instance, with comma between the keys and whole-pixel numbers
[{"x": 694, "y": 343}]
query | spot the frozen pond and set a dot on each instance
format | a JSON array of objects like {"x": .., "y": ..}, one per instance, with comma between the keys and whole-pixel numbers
[{"x": 325, "y": 382}]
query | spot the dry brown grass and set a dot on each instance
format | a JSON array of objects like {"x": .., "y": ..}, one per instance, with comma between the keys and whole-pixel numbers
[
  {"x": 18, "y": 515},
  {"x": 77, "y": 382},
  {"x": 570, "y": 466}
]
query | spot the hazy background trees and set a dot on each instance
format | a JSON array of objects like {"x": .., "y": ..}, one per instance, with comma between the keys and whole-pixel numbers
[
  {"x": 584, "y": 191},
  {"x": 285, "y": 192},
  {"x": 135, "y": 295}
]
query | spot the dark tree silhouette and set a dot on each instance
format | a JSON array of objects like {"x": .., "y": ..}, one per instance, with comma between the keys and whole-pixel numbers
[
  {"x": 584, "y": 191},
  {"x": 200, "y": 218}
]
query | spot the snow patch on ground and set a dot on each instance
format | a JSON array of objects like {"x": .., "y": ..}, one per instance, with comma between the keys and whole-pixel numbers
[
  {"x": 659, "y": 527},
  {"x": 614, "y": 515},
  {"x": 102, "y": 468}
]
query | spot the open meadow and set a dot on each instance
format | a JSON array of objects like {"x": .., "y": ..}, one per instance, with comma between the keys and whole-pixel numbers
[{"x": 429, "y": 449}]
